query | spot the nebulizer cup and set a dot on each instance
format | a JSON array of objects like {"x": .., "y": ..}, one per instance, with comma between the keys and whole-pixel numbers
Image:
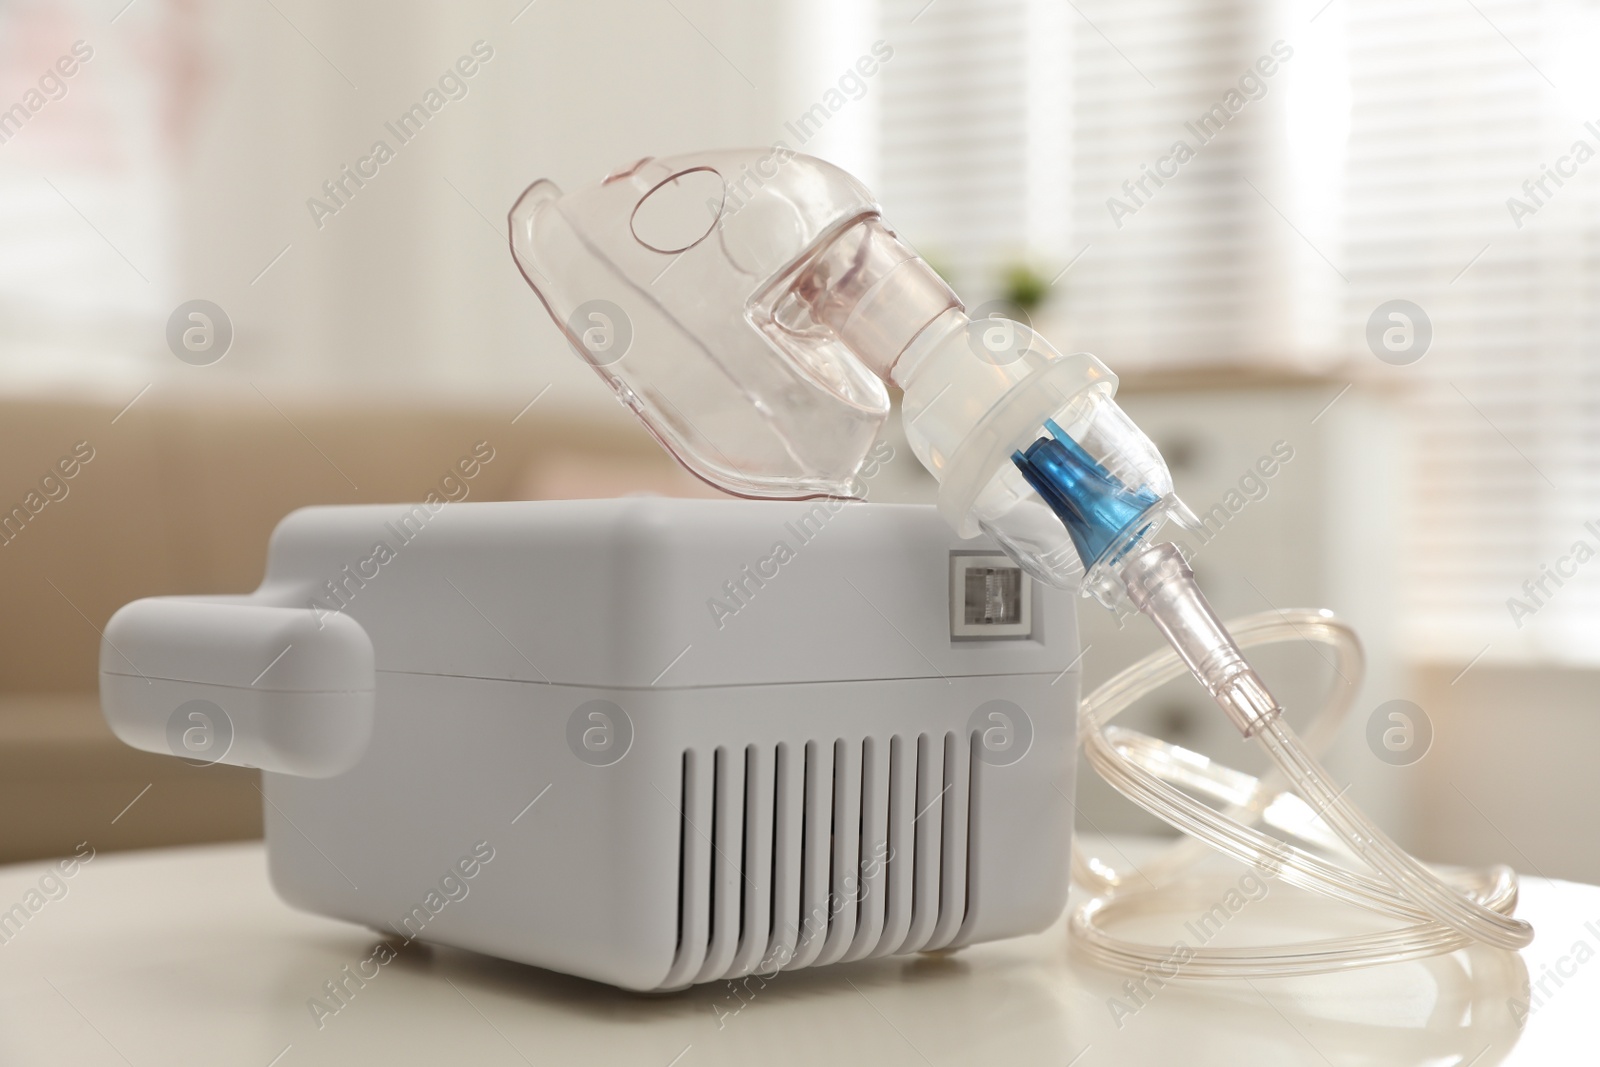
[{"x": 766, "y": 303}]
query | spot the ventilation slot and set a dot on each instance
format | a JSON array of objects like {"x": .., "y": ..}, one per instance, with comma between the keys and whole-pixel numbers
[{"x": 796, "y": 856}]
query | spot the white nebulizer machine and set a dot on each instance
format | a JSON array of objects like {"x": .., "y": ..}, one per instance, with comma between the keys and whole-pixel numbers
[{"x": 700, "y": 740}]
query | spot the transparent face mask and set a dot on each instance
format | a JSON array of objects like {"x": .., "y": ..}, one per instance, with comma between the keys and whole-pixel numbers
[{"x": 664, "y": 278}]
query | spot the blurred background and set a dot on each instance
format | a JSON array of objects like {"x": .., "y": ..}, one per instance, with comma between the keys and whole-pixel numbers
[{"x": 1359, "y": 234}]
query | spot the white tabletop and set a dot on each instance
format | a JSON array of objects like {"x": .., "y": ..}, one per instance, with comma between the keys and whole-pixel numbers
[{"x": 185, "y": 956}]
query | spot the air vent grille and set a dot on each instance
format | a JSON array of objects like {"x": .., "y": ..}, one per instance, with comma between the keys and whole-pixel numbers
[{"x": 796, "y": 856}]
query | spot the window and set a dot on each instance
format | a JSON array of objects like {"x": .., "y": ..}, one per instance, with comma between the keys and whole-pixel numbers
[
  {"x": 974, "y": 120},
  {"x": 1454, "y": 109},
  {"x": 83, "y": 195}
]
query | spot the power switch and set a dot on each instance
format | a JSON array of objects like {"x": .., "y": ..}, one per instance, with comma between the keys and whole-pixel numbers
[{"x": 990, "y": 596}]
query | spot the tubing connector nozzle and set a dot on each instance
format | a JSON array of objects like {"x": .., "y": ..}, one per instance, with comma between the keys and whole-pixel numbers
[{"x": 1160, "y": 584}]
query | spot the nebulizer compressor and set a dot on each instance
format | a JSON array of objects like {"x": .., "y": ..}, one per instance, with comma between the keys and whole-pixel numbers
[{"x": 763, "y": 303}]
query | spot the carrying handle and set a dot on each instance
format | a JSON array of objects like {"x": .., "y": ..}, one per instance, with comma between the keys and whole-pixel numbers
[{"x": 239, "y": 681}]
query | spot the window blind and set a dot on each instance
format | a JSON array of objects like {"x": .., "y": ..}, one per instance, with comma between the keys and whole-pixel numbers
[
  {"x": 1201, "y": 159},
  {"x": 973, "y": 128},
  {"x": 1454, "y": 108}
]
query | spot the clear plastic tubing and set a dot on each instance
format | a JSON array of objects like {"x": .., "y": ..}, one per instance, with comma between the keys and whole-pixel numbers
[{"x": 1438, "y": 914}]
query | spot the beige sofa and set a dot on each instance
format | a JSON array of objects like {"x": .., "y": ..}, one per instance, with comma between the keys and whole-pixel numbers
[{"x": 180, "y": 496}]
